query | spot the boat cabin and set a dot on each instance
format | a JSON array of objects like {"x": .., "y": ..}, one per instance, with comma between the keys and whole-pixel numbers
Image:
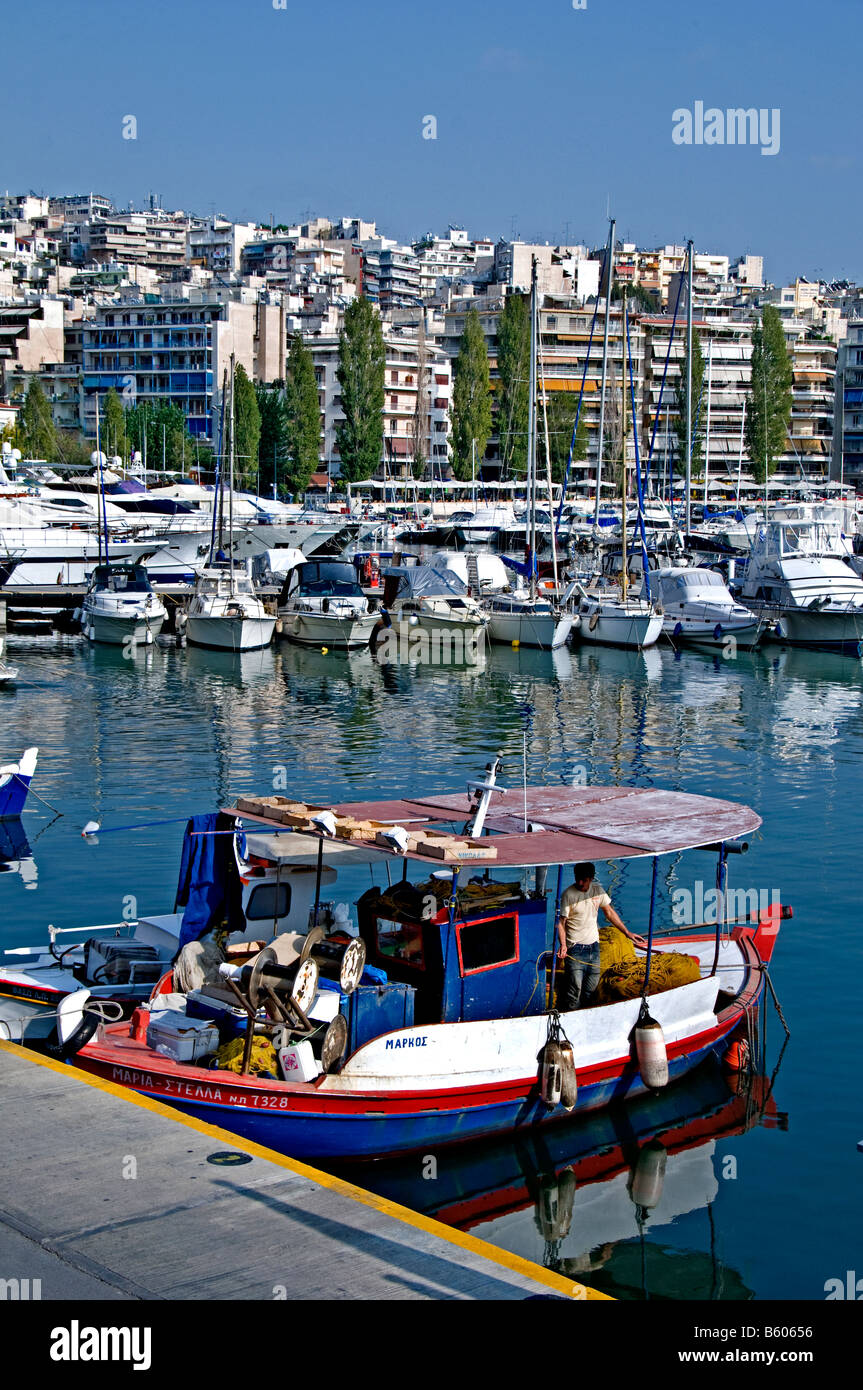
[
  {"x": 321, "y": 579},
  {"x": 120, "y": 579}
]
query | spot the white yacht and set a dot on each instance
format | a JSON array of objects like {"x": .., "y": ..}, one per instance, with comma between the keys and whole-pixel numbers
[
  {"x": 699, "y": 608},
  {"x": 796, "y": 575},
  {"x": 225, "y": 614},
  {"x": 120, "y": 606},
  {"x": 322, "y": 605}
]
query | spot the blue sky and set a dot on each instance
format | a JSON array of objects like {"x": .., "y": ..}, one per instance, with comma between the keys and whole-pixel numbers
[{"x": 545, "y": 116}]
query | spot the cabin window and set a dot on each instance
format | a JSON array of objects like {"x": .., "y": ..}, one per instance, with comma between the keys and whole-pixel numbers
[
  {"x": 401, "y": 941},
  {"x": 483, "y": 945},
  {"x": 268, "y": 901}
]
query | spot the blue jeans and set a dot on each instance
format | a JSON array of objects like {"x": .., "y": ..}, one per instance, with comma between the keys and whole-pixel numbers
[{"x": 580, "y": 977}]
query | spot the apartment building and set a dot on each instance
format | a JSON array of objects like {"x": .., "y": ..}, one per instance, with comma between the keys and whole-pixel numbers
[
  {"x": 847, "y": 459},
  {"x": 217, "y": 243},
  {"x": 176, "y": 347},
  {"x": 406, "y": 379}
]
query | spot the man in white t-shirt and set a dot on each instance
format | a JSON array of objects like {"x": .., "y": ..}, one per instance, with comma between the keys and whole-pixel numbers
[{"x": 578, "y": 937}]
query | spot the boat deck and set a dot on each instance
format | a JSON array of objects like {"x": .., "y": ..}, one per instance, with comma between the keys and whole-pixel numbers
[{"x": 127, "y": 1203}]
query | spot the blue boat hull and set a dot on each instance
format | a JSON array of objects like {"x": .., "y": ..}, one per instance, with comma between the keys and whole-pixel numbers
[
  {"x": 13, "y": 796},
  {"x": 314, "y": 1134}
]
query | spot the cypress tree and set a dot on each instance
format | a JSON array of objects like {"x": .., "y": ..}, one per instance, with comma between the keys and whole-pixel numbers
[
  {"x": 302, "y": 417},
  {"x": 513, "y": 365},
  {"x": 471, "y": 399},
  {"x": 360, "y": 374},
  {"x": 768, "y": 404}
]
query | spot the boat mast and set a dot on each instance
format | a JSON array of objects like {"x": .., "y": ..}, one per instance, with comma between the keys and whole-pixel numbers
[
  {"x": 688, "y": 500},
  {"x": 707, "y": 437},
  {"x": 531, "y": 435},
  {"x": 740, "y": 455},
  {"x": 625, "y": 551},
  {"x": 609, "y": 277},
  {"x": 100, "y": 505},
  {"x": 231, "y": 482}
]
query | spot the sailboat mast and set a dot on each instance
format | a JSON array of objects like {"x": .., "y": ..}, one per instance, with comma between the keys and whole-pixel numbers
[
  {"x": 101, "y": 502},
  {"x": 625, "y": 550},
  {"x": 609, "y": 279},
  {"x": 688, "y": 393},
  {"x": 231, "y": 482},
  {"x": 531, "y": 435},
  {"x": 707, "y": 435}
]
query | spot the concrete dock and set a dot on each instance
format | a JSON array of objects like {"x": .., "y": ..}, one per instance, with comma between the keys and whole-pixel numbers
[{"x": 111, "y": 1195}]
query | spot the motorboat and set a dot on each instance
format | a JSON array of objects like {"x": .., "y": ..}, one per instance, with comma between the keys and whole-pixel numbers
[
  {"x": 433, "y": 599},
  {"x": 699, "y": 608},
  {"x": 121, "y": 961},
  {"x": 322, "y": 605},
  {"x": 225, "y": 613},
  {"x": 796, "y": 577},
  {"x": 120, "y": 607},
  {"x": 426, "y": 1016}
]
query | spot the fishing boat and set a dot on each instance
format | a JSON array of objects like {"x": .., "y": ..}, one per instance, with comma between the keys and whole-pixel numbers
[
  {"x": 15, "y": 779},
  {"x": 322, "y": 605},
  {"x": 120, "y": 606},
  {"x": 429, "y": 1019}
]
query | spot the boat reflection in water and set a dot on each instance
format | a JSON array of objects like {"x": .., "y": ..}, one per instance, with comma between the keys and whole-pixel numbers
[
  {"x": 589, "y": 1198},
  {"x": 16, "y": 856}
]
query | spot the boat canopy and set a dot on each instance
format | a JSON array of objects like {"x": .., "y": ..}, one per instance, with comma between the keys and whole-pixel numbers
[
  {"x": 566, "y": 825},
  {"x": 425, "y": 581}
]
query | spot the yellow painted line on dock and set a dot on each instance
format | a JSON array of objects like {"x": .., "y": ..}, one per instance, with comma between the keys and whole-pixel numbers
[{"x": 515, "y": 1263}]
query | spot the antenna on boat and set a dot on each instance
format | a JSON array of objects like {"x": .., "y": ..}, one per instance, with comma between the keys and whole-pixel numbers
[{"x": 482, "y": 792}]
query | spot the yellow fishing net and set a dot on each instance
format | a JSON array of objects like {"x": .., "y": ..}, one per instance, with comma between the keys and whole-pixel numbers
[
  {"x": 263, "y": 1059},
  {"x": 625, "y": 980},
  {"x": 614, "y": 948}
]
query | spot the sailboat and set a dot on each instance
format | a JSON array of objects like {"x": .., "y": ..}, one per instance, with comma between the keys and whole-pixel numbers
[
  {"x": 523, "y": 616},
  {"x": 225, "y": 613},
  {"x": 119, "y": 606},
  {"x": 609, "y": 613}
]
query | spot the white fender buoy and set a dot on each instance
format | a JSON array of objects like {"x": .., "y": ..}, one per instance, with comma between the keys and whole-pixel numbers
[
  {"x": 651, "y": 1051},
  {"x": 648, "y": 1176},
  {"x": 550, "y": 1074},
  {"x": 568, "y": 1080},
  {"x": 554, "y": 1203}
]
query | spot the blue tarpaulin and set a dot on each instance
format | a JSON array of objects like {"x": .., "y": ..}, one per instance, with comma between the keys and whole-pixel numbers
[{"x": 204, "y": 885}]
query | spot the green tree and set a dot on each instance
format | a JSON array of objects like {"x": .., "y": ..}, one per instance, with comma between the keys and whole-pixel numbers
[
  {"x": 36, "y": 433},
  {"x": 560, "y": 410},
  {"x": 271, "y": 445},
  {"x": 768, "y": 404},
  {"x": 699, "y": 415},
  {"x": 640, "y": 299},
  {"x": 247, "y": 429},
  {"x": 513, "y": 365},
  {"x": 471, "y": 399},
  {"x": 302, "y": 417},
  {"x": 361, "y": 376},
  {"x": 113, "y": 426}
]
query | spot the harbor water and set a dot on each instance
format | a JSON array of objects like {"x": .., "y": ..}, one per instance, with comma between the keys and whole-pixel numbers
[{"x": 757, "y": 1193}]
